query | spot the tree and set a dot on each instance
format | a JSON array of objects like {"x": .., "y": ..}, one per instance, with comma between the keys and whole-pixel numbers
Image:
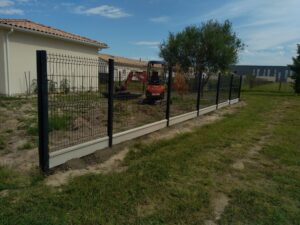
[
  {"x": 296, "y": 69},
  {"x": 180, "y": 84},
  {"x": 211, "y": 47}
]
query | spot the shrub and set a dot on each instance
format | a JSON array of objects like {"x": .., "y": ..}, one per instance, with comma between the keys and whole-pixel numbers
[
  {"x": 180, "y": 83},
  {"x": 65, "y": 86},
  {"x": 51, "y": 86},
  {"x": 34, "y": 86}
]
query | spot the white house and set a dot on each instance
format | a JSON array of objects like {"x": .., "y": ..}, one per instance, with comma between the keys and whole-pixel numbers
[{"x": 19, "y": 41}]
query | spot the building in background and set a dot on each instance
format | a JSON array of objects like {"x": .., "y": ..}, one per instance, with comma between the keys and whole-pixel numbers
[
  {"x": 123, "y": 66},
  {"x": 269, "y": 73},
  {"x": 19, "y": 41}
]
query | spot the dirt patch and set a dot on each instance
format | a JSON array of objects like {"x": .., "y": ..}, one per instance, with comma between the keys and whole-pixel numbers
[
  {"x": 145, "y": 209},
  {"x": 22, "y": 161},
  {"x": 219, "y": 203},
  {"x": 113, "y": 164},
  {"x": 15, "y": 115},
  {"x": 239, "y": 165}
]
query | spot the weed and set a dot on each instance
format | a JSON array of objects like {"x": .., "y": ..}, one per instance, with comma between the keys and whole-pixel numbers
[
  {"x": 57, "y": 122},
  {"x": 27, "y": 146}
]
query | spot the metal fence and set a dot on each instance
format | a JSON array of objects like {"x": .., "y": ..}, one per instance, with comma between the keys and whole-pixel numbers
[
  {"x": 77, "y": 111},
  {"x": 80, "y": 111}
]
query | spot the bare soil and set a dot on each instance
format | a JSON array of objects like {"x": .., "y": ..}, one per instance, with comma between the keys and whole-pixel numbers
[{"x": 19, "y": 147}]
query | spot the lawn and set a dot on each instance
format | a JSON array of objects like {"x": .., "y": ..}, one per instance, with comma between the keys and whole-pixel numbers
[{"x": 243, "y": 169}]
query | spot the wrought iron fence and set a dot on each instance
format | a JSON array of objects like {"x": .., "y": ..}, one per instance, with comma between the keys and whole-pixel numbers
[{"x": 82, "y": 108}]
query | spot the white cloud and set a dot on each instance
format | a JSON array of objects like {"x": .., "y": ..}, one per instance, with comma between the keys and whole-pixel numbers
[
  {"x": 11, "y": 11},
  {"x": 263, "y": 26},
  {"x": 147, "y": 43},
  {"x": 7, "y": 9},
  {"x": 103, "y": 10},
  {"x": 6, "y": 3},
  {"x": 160, "y": 19}
]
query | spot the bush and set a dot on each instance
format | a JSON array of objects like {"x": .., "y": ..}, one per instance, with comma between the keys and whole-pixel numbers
[
  {"x": 51, "y": 86},
  {"x": 34, "y": 86},
  {"x": 65, "y": 86}
]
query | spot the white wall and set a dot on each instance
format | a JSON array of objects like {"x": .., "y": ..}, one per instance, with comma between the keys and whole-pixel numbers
[
  {"x": 2, "y": 70},
  {"x": 22, "y": 55}
]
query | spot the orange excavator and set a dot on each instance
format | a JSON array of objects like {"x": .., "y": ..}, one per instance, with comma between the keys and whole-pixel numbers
[{"x": 152, "y": 80}]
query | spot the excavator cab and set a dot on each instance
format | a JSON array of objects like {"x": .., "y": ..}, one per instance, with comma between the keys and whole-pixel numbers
[{"x": 156, "y": 81}]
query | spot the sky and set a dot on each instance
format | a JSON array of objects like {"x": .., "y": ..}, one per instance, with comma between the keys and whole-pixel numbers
[{"x": 270, "y": 29}]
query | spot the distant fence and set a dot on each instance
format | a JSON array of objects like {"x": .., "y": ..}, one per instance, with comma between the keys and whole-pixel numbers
[{"x": 79, "y": 115}]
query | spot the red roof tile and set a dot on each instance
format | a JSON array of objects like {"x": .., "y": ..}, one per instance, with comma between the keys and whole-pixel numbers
[{"x": 32, "y": 26}]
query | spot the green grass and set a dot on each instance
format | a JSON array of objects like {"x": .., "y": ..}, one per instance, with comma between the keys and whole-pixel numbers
[
  {"x": 27, "y": 146},
  {"x": 56, "y": 122},
  {"x": 271, "y": 87},
  {"x": 174, "y": 181}
]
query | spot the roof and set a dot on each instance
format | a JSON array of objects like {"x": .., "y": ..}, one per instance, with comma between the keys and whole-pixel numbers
[
  {"x": 124, "y": 61},
  {"x": 27, "y": 25}
]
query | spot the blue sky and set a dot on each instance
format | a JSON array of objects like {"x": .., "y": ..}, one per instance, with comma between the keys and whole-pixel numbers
[{"x": 134, "y": 28}]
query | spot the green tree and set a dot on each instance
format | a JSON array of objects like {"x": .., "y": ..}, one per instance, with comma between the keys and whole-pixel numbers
[
  {"x": 212, "y": 46},
  {"x": 296, "y": 69}
]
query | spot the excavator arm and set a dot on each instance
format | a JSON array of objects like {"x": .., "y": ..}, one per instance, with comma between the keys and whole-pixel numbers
[{"x": 141, "y": 76}]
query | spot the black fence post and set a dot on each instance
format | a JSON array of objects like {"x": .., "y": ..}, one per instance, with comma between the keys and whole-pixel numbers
[
  {"x": 199, "y": 93},
  {"x": 169, "y": 95},
  {"x": 240, "y": 87},
  {"x": 218, "y": 90},
  {"x": 110, "y": 101},
  {"x": 230, "y": 90},
  {"x": 42, "y": 83}
]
